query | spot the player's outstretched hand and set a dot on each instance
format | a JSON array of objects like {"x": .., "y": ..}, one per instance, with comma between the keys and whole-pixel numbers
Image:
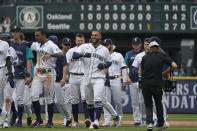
[
  {"x": 76, "y": 55},
  {"x": 101, "y": 66},
  {"x": 88, "y": 55}
]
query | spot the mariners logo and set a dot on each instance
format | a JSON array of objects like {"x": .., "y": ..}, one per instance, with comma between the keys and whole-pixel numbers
[{"x": 30, "y": 17}]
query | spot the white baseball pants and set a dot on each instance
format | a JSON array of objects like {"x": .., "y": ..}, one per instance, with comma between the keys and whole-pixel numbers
[
  {"x": 46, "y": 81},
  {"x": 115, "y": 92},
  {"x": 134, "y": 91},
  {"x": 77, "y": 89}
]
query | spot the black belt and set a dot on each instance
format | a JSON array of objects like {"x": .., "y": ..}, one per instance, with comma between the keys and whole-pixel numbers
[
  {"x": 77, "y": 74},
  {"x": 43, "y": 70},
  {"x": 2, "y": 67},
  {"x": 113, "y": 77}
]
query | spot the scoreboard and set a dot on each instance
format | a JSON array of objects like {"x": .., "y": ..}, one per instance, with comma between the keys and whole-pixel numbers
[{"x": 110, "y": 17}]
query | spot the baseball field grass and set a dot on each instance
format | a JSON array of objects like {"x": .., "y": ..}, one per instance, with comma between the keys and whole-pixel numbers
[{"x": 189, "y": 118}]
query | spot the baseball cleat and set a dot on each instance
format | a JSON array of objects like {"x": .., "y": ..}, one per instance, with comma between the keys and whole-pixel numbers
[
  {"x": 3, "y": 115},
  {"x": 137, "y": 124},
  {"x": 87, "y": 123},
  {"x": 49, "y": 125},
  {"x": 29, "y": 121},
  {"x": 37, "y": 123},
  {"x": 64, "y": 123},
  {"x": 91, "y": 125},
  {"x": 107, "y": 124},
  {"x": 75, "y": 124},
  {"x": 5, "y": 124},
  {"x": 150, "y": 127},
  {"x": 68, "y": 123},
  {"x": 165, "y": 126},
  {"x": 96, "y": 124},
  {"x": 116, "y": 121},
  {"x": 19, "y": 124}
]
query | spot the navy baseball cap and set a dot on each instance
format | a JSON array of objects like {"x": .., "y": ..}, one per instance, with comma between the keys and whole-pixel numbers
[
  {"x": 107, "y": 42},
  {"x": 16, "y": 29},
  {"x": 155, "y": 38},
  {"x": 66, "y": 41},
  {"x": 54, "y": 39},
  {"x": 136, "y": 41}
]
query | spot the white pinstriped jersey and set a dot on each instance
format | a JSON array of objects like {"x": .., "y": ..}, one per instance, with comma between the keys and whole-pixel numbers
[
  {"x": 4, "y": 52},
  {"x": 48, "y": 48},
  {"x": 13, "y": 55},
  {"x": 75, "y": 66},
  {"x": 117, "y": 63},
  {"x": 138, "y": 59},
  {"x": 98, "y": 55}
]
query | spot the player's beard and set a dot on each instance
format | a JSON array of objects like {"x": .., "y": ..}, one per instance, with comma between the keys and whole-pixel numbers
[{"x": 96, "y": 42}]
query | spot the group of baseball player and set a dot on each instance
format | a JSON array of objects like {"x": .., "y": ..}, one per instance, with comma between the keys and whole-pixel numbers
[{"x": 90, "y": 73}]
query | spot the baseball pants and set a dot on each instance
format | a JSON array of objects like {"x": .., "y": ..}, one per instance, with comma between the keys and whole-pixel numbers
[
  {"x": 46, "y": 81},
  {"x": 95, "y": 92},
  {"x": 62, "y": 100},
  {"x": 20, "y": 87},
  {"x": 115, "y": 92},
  {"x": 3, "y": 80},
  {"x": 77, "y": 89},
  {"x": 134, "y": 91}
]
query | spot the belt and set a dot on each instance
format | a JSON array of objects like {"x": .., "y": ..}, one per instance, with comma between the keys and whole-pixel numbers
[
  {"x": 2, "y": 67},
  {"x": 77, "y": 74},
  {"x": 113, "y": 77},
  {"x": 43, "y": 70}
]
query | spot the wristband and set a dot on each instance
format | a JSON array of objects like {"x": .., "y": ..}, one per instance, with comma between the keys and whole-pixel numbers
[{"x": 54, "y": 55}]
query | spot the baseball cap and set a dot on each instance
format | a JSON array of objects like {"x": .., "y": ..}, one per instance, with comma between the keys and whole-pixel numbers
[
  {"x": 107, "y": 42},
  {"x": 66, "y": 41},
  {"x": 136, "y": 41},
  {"x": 153, "y": 43},
  {"x": 147, "y": 40},
  {"x": 16, "y": 29},
  {"x": 155, "y": 38},
  {"x": 54, "y": 39}
]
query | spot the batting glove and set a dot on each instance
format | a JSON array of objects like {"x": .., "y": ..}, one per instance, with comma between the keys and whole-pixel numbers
[
  {"x": 88, "y": 55},
  {"x": 76, "y": 55},
  {"x": 101, "y": 66}
]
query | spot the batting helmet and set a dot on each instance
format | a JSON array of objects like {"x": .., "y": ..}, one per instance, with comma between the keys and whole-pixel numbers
[
  {"x": 16, "y": 29},
  {"x": 136, "y": 41},
  {"x": 107, "y": 42},
  {"x": 54, "y": 39},
  {"x": 66, "y": 41}
]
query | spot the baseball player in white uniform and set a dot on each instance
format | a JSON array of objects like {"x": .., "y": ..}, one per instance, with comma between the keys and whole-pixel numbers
[
  {"x": 136, "y": 63},
  {"x": 8, "y": 92},
  {"x": 62, "y": 88},
  {"x": 5, "y": 60},
  {"x": 96, "y": 59},
  {"x": 76, "y": 70},
  {"x": 45, "y": 74},
  {"x": 117, "y": 69},
  {"x": 133, "y": 78}
]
